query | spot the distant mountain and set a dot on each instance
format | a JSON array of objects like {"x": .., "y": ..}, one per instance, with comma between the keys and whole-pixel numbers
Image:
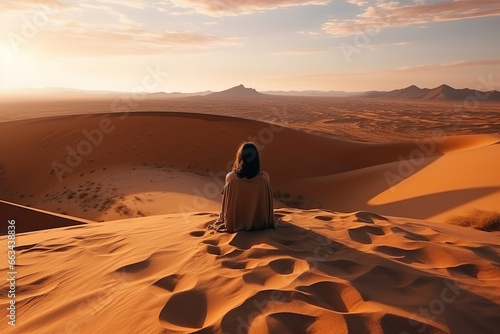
[
  {"x": 51, "y": 91},
  {"x": 177, "y": 94},
  {"x": 332, "y": 93},
  {"x": 55, "y": 92},
  {"x": 236, "y": 92},
  {"x": 441, "y": 93}
]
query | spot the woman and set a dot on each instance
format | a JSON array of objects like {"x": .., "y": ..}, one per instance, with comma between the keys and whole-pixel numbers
[{"x": 247, "y": 197}]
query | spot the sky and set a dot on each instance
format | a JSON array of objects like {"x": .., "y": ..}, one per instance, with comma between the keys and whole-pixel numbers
[{"x": 195, "y": 45}]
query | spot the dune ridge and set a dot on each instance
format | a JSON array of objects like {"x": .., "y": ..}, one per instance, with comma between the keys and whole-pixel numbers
[{"x": 321, "y": 271}]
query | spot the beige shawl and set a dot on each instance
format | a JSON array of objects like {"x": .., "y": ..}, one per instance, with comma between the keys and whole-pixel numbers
[{"x": 247, "y": 204}]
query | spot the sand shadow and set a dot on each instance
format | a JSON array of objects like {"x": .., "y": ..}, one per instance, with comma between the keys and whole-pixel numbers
[
  {"x": 368, "y": 277},
  {"x": 434, "y": 204},
  {"x": 186, "y": 309}
]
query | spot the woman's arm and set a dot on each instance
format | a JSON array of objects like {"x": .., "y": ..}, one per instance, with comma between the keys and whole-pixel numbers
[{"x": 229, "y": 177}]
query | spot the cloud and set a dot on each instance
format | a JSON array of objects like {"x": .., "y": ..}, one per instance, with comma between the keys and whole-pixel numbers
[
  {"x": 357, "y": 2},
  {"x": 299, "y": 52},
  {"x": 320, "y": 50},
  {"x": 383, "y": 45},
  {"x": 128, "y": 3},
  {"x": 78, "y": 39},
  {"x": 422, "y": 69},
  {"x": 379, "y": 15},
  {"x": 454, "y": 64},
  {"x": 22, "y": 5},
  {"x": 13, "y": 6},
  {"x": 236, "y": 7},
  {"x": 74, "y": 31}
]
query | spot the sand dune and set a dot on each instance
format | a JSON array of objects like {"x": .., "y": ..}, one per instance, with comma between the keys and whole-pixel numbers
[
  {"x": 152, "y": 267},
  {"x": 366, "y": 120},
  {"x": 112, "y": 166},
  {"x": 432, "y": 187},
  {"x": 320, "y": 272}
]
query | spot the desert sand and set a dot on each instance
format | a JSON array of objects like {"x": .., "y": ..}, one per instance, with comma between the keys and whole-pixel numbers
[
  {"x": 320, "y": 272},
  {"x": 111, "y": 209}
]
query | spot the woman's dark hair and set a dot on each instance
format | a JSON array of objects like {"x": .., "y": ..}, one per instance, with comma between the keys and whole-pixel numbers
[{"x": 247, "y": 161}]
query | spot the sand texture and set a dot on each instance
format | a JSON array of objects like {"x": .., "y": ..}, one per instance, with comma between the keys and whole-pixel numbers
[{"x": 320, "y": 272}]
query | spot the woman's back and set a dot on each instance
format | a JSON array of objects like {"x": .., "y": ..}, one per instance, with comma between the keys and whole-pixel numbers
[
  {"x": 247, "y": 203},
  {"x": 247, "y": 197}
]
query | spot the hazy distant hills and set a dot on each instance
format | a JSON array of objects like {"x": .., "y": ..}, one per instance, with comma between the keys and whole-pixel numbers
[
  {"x": 239, "y": 91},
  {"x": 178, "y": 94},
  {"x": 333, "y": 93},
  {"x": 441, "y": 93}
]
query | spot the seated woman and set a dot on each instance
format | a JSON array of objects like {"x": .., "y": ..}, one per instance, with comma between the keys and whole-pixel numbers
[{"x": 247, "y": 197}]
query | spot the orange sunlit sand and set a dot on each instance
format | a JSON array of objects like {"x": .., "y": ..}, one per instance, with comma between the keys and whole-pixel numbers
[{"x": 111, "y": 210}]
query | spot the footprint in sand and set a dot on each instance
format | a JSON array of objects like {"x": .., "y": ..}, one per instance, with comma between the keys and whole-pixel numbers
[
  {"x": 338, "y": 297},
  {"x": 363, "y": 234},
  {"x": 214, "y": 250},
  {"x": 134, "y": 268},
  {"x": 283, "y": 266},
  {"x": 324, "y": 218},
  {"x": 467, "y": 269},
  {"x": 219, "y": 250},
  {"x": 277, "y": 272},
  {"x": 186, "y": 309},
  {"x": 237, "y": 265},
  {"x": 288, "y": 322},
  {"x": 368, "y": 217},
  {"x": 197, "y": 234},
  {"x": 169, "y": 282}
]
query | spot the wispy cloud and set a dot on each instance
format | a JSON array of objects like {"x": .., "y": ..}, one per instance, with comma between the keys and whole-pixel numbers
[
  {"x": 299, "y": 52},
  {"x": 128, "y": 3},
  {"x": 383, "y": 45},
  {"x": 320, "y": 50},
  {"x": 237, "y": 7},
  {"x": 71, "y": 30},
  {"x": 454, "y": 64},
  {"x": 76, "y": 39},
  {"x": 8, "y": 7},
  {"x": 379, "y": 15},
  {"x": 426, "y": 69}
]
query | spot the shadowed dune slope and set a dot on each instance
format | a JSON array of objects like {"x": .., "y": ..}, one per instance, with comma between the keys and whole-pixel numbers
[{"x": 30, "y": 219}]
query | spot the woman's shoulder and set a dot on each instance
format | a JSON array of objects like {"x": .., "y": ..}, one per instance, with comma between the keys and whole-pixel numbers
[{"x": 230, "y": 176}]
